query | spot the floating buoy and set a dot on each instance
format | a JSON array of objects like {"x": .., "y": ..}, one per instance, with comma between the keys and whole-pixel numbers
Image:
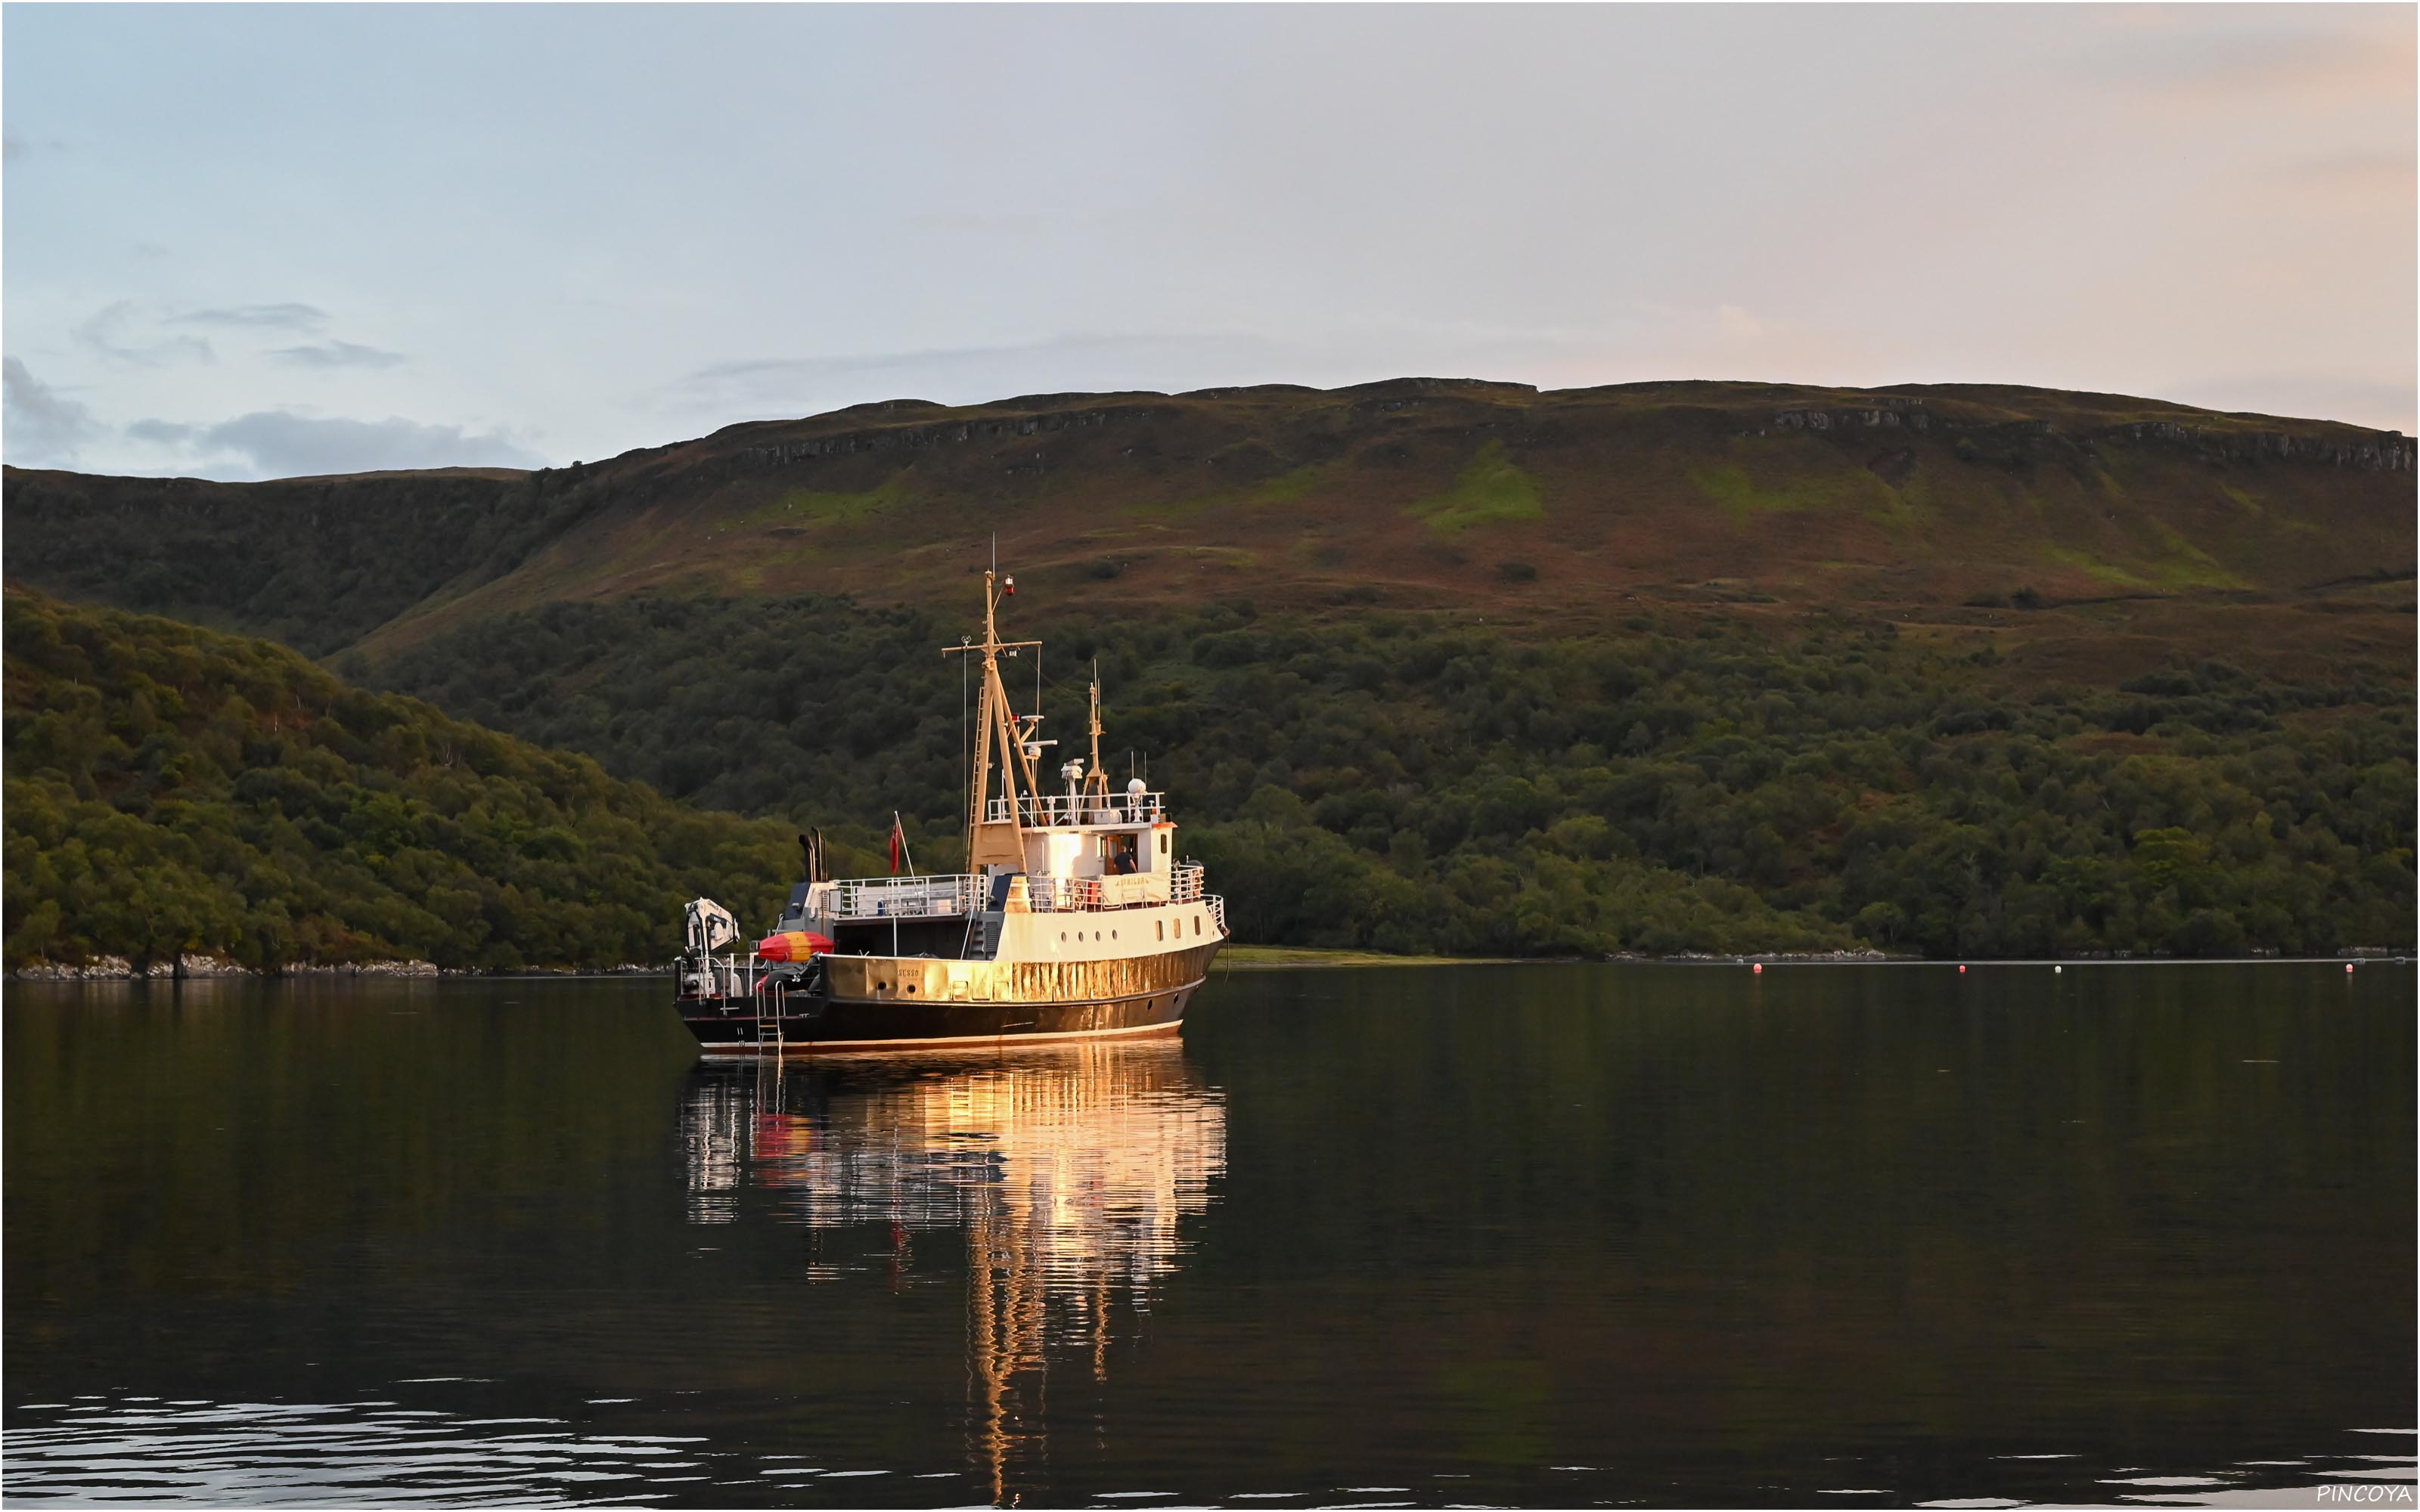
[
  {"x": 1961, "y": 968},
  {"x": 2056, "y": 970},
  {"x": 2347, "y": 969},
  {"x": 1759, "y": 968}
]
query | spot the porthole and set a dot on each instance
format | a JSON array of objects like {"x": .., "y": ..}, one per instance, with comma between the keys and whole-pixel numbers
[
  {"x": 1163, "y": 930},
  {"x": 1197, "y": 923},
  {"x": 1113, "y": 934}
]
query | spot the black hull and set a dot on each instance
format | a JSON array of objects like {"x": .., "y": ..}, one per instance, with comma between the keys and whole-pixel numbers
[{"x": 804, "y": 1023}]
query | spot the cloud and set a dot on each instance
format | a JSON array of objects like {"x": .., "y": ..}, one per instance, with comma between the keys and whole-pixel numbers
[
  {"x": 961, "y": 222},
  {"x": 2360, "y": 172},
  {"x": 2230, "y": 59},
  {"x": 160, "y": 432},
  {"x": 2387, "y": 405},
  {"x": 257, "y": 317},
  {"x": 330, "y": 354},
  {"x": 1624, "y": 342},
  {"x": 1737, "y": 324},
  {"x": 275, "y": 443},
  {"x": 43, "y": 428},
  {"x": 15, "y": 148},
  {"x": 106, "y": 333},
  {"x": 975, "y": 373}
]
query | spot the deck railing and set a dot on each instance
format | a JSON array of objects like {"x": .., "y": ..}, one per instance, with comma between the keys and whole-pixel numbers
[
  {"x": 1217, "y": 912},
  {"x": 1054, "y": 895},
  {"x": 952, "y": 897},
  {"x": 1041, "y": 808},
  {"x": 909, "y": 897}
]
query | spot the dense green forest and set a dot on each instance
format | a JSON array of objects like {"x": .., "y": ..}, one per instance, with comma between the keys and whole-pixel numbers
[
  {"x": 1407, "y": 783},
  {"x": 172, "y": 790}
]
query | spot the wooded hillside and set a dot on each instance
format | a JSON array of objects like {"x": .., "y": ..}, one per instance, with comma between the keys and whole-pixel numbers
[{"x": 175, "y": 790}]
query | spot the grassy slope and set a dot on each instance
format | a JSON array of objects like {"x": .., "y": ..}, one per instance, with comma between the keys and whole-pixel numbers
[{"x": 1933, "y": 505}]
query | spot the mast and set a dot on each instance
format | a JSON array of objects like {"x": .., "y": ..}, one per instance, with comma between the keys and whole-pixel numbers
[
  {"x": 997, "y": 842},
  {"x": 1097, "y": 782}
]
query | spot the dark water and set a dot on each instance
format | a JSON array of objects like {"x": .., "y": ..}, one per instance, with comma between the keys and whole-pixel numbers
[{"x": 1538, "y": 1235}]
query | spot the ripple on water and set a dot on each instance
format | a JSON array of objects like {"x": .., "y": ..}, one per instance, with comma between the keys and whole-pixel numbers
[{"x": 351, "y": 1452}]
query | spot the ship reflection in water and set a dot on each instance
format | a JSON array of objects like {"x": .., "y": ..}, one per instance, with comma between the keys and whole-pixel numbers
[{"x": 1067, "y": 1171}]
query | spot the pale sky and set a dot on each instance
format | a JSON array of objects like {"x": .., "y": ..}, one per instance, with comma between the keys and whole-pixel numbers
[{"x": 260, "y": 241}]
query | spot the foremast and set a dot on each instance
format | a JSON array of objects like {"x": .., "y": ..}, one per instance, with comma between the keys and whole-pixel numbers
[{"x": 997, "y": 841}]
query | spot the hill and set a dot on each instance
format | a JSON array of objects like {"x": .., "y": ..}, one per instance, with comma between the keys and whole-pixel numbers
[
  {"x": 1449, "y": 666},
  {"x": 172, "y": 792},
  {"x": 1928, "y": 504},
  {"x": 1411, "y": 784}
]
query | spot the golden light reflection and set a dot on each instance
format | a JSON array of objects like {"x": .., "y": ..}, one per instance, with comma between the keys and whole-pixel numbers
[{"x": 1066, "y": 1170}]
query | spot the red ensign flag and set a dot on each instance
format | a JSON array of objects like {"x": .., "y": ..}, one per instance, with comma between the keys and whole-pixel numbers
[{"x": 898, "y": 843}]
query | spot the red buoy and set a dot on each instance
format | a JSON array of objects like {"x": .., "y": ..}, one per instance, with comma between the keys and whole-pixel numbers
[
  {"x": 1758, "y": 968},
  {"x": 2347, "y": 969},
  {"x": 1961, "y": 968}
]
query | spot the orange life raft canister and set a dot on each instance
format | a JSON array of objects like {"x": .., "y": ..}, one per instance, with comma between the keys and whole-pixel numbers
[{"x": 793, "y": 945}]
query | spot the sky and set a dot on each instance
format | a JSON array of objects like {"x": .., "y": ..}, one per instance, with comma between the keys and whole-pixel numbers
[{"x": 280, "y": 240}]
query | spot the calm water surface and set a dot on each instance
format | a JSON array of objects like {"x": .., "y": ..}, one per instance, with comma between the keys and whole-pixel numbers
[{"x": 1553, "y": 1235}]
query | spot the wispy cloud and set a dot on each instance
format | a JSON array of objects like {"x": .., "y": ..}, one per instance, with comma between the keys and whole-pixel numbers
[
  {"x": 15, "y": 148},
  {"x": 962, "y": 224},
  {"x": 108, "y": 332},
  {"x": 971, "y": 374},
  {"x": 2236, "y": 58},
  {"x": 160, "y": 432},
  {"x": 2384, "y": 405},
  {"x": 332, "y": 354},
  {"x": 256, "y": 317},
  {"x": 2379, "y": 172},
  {"x": 275, "y": 443},
  {"x": 43, "y": 427}
]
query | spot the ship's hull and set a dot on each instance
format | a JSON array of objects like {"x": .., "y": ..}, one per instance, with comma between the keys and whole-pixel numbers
[{"x": 805, "y": 1024}]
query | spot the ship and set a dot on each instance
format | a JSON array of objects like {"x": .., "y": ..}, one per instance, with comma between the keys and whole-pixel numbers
[{"x": 1077, "y": 917}]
